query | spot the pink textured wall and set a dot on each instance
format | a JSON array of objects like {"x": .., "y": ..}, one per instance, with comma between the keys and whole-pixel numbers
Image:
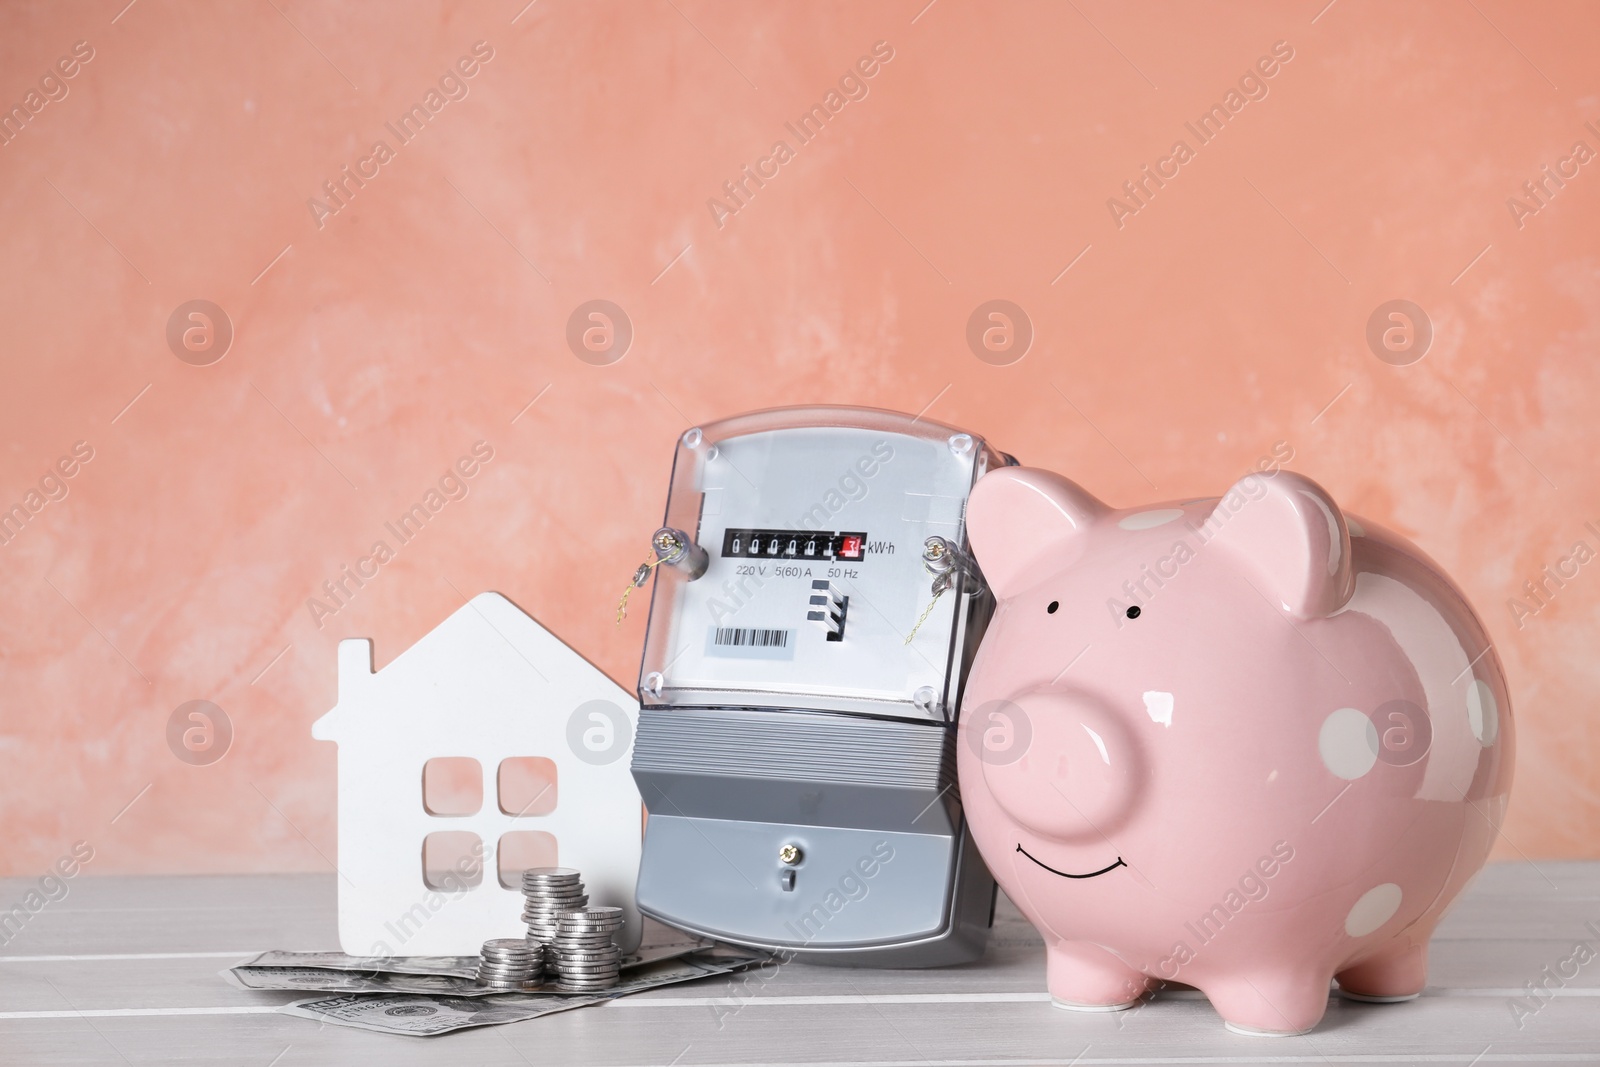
[{"x": 1177, "y": 339}]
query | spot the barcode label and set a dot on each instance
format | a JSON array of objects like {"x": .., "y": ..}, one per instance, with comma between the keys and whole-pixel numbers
[
  {"x": 749, "y": 642},
  {"x": 736, "y": 636}
]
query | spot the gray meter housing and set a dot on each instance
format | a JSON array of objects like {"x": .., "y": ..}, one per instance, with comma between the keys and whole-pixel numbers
[{"x": 795, "y": 751}]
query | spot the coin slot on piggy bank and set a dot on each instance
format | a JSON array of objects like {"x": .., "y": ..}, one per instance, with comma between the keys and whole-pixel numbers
[{"x": 799, "y": 687}]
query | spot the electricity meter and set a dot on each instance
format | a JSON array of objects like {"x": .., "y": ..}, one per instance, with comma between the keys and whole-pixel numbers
[{"x": 813, "y": 615}]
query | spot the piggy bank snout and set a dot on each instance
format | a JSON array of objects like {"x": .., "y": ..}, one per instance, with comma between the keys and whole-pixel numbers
[{"x": 1063, "y": 767}]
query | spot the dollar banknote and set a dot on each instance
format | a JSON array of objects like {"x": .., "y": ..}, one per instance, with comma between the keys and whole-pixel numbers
[
  {"x": 342, "y": 981},
  {"x": 336, "y": 972},
  {"x": 459, "y": 966},
  {"x": 426, "y": 1015}
]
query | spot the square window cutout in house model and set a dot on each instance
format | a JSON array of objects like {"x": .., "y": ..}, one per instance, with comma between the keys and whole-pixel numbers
[{"x": 486, "y": 748}]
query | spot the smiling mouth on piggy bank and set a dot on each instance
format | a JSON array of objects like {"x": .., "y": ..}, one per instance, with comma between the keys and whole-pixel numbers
[{"x": 1064, "y": 874}]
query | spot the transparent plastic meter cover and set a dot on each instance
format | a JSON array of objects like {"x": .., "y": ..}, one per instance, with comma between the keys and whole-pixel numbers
[{"x": 814, "y": 520}]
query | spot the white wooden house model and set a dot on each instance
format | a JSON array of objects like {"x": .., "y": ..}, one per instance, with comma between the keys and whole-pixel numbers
[{"x": 550, "y": 736}]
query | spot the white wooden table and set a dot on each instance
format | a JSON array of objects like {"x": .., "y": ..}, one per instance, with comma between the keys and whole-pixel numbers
[{"x": 124, "y": 971}]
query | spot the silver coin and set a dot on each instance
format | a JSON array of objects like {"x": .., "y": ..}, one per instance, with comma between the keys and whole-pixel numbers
[
  {"x": 588, "y": 966},
  {"x": 602, "y": 911}
]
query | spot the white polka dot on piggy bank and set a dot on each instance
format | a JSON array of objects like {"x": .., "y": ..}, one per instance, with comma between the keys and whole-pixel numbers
[{"x": 1291, "y": 718}]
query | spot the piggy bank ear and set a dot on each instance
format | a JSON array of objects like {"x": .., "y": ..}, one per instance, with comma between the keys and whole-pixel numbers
[
  {"x": 1024, "y": 524},
  {"x": 1289, "y": 533}
]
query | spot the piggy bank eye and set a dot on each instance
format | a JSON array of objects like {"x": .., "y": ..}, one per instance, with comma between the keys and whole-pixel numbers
[
  {"x": 1134, "y": 612},
  {"x": 1054, "y": 604}
]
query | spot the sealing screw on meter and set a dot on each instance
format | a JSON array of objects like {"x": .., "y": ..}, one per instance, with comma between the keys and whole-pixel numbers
[
  {"x": 942, "y": 559},
  {"x": 789, "y": 854},
  {"x": 674, "y": 548}
]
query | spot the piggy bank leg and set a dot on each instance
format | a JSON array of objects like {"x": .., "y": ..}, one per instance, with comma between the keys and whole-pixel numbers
[
  {"x": 1397, "y": 973},
  {"x": 1085, "y": 977},
  {"x": 1278, "y": 1003}
]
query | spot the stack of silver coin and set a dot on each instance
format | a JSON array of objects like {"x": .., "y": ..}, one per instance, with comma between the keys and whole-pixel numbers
[
  {"x": 587, "y": 957},
  {"x": 510, "y": 963},
  {"x": 547, "y": 893}
]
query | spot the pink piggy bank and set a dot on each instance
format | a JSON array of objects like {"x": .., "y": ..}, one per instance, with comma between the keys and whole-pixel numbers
[{"x": 1249, "y": 744}]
